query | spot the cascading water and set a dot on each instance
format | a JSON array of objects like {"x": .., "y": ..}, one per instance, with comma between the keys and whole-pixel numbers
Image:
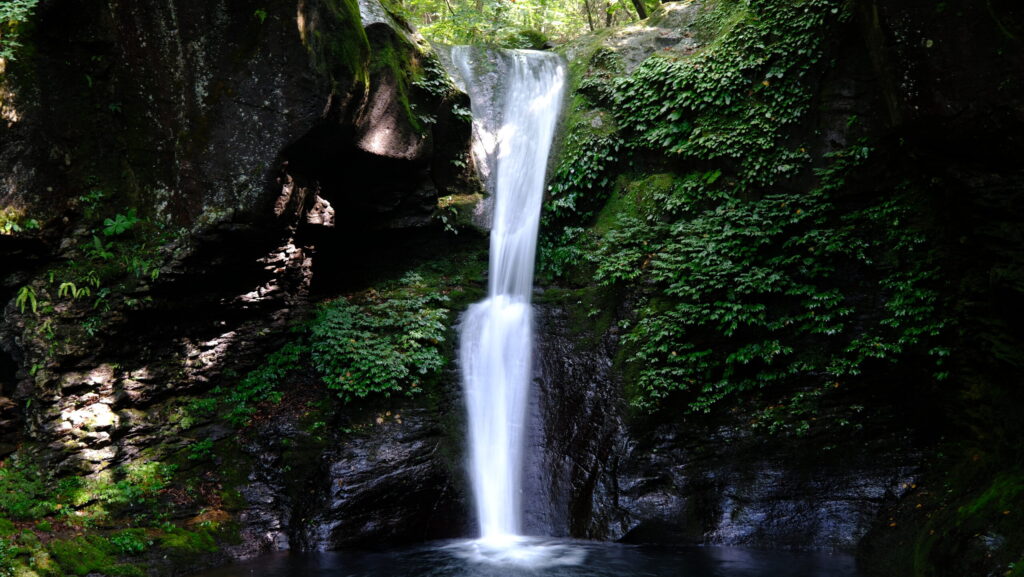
[
  {"x": 515, "y": 121},
  {"x": 496, "y": 340}
]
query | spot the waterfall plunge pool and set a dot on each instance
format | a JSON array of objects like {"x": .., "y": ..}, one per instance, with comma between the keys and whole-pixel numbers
[{"x": 543, "y": 557}]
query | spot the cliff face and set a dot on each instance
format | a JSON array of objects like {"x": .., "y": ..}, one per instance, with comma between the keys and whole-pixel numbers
[
  {"x": 185, "y": 180},
  {"x": 190, "y": 179},
  {"x": 188, "y": 109},
  {"x": 675, "y": 214}
]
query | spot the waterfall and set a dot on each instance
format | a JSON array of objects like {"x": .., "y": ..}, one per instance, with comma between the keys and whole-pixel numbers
[{"x": 514, "y": 123}]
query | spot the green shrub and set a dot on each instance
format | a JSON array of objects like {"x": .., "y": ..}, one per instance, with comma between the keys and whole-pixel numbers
[
  {"x": 260, "y": 385},
  {"x": 742, "y": 279},
  {"x": 23, "y": 492},
  {"x": 13, "y": 14},
  {"x": 201, "y": 450},
  {"x": 525, "y": 38},
  {"x": 382, "y": 343},
  {"x": 130, "y": 541},
  {"x": 82, "y": 555},
  {"x": 7, "y": 554}
]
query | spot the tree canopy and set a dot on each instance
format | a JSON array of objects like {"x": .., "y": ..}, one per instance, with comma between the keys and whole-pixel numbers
[{"x": 517, "y": 23}]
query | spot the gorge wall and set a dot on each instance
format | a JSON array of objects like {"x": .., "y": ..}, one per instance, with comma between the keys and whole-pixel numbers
[
  {"x": 265, "y": 165},
  {"x": 256, "y": 158},
  {"x": 698, "y": 404}
]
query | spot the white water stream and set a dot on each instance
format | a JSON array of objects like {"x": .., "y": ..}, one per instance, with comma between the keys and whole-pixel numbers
[{"x": 514, "y": 123}]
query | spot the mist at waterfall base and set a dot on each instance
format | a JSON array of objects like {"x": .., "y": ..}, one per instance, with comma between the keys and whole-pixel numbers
[{"x": 514, "y": 124}]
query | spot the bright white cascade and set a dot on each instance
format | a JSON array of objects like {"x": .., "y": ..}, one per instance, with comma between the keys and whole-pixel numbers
[{"x": 497, "y": 338}]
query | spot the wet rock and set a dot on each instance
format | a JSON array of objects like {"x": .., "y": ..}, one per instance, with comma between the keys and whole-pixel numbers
[
  {"x": 10, "y": 426},
  {"x": 387, "y": 484},
  {"x": 691, "y": 480},
  {"x": 270, "y": 144},
  {"x": 669, "y": 29}
]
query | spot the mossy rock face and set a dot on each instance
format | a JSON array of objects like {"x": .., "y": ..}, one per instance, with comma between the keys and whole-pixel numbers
[
  {"x": 193, "y": 130},
  {"x": 633, "y": 199},
  {"x": 333, "y": 33},
  {"x": 526, "y": 38},
  {"x": 92, "y": 554},
  {"x": 698, "y": 159},
  {"x": 247, "y": 80},
  {"x": 958, "y": 517}
]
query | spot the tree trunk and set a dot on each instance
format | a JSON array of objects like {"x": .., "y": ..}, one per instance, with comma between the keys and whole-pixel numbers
[
  {"x": 641, "y": 10},
  {"x": 590, "y": 17}
]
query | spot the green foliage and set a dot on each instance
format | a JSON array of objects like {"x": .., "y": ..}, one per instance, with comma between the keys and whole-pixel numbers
[
  {"x": 382, "y": 343},
  {"x": 90, "y": 554},
  {"x": 122, "y": 251},
  {"x": 91, "y": 201},
  {"x": 581, "y": 182},
  {"x": 27, "y": 297},
  {"x": 13, "y": 221},
  {"x": 261, "y": 384},
  {"x": 526, "y": 38},
  {"x": 13, "y": 15},
  {"x": 592, "y": 152},
  {"x": 130, "y": 541},
  {"x": 511, "y": 23},
  {"x": 433, "y": 79},
  {"x": 201, "y": 450},
  {"x": 758, "y": 292},
  {"x": 120, "y": 223},
  {"x": 375, "y": 343},
  {"x": 734, "y": 101},
  {"x": 68, "y": 289},
  {"x": 7, "y": 555},
  {"x": 742, "y": 282},
  {"x": 99, "y": 250},
  {"x": 23, "y": 492}
]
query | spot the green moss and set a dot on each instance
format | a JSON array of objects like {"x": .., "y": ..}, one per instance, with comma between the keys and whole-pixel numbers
[
  {"x": 1004, "y": 494},
  {"x": 591, "y": 311},
  {"x": 962, "y": 519},
  {"x": 188, "y": 543},
  {"x": 633, "y": 199},
  {"x": 130, "y": 541},
  {"x": 398, "y": 65},
  {"x": 337, "y": 42},
  {"x": 23, "y": 491},
  {"x": 749, "y": 265},
  {"x": 90, "y": 554},
  {"x": 456, "y": 210},
  {"x": 718, "y": 18},
  {"x": 392, "y": 64},
  {"x": 525, "y": 38},
  {"x": 44, "y": 526}
]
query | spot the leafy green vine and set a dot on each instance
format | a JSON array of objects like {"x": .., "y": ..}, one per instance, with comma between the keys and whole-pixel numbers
[{"x": 742, "y": 279}]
